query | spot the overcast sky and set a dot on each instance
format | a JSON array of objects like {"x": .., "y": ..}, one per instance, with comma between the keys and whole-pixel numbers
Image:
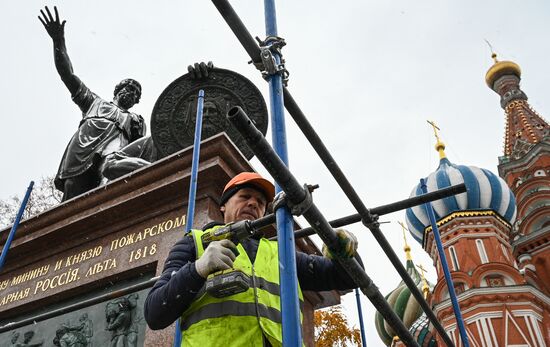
[{"x": 366, "y": 73}]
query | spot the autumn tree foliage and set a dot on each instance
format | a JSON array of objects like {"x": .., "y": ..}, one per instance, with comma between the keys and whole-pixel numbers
[
  {"x": 331, "y": 329},
  {"x": 43, "y": 197}
]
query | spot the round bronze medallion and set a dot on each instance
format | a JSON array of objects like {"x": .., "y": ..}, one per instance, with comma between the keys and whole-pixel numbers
[{"x": 173, "y": 117}]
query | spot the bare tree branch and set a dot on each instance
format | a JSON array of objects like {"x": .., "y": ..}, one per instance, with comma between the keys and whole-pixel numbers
[{"x": 43, "y": 197}]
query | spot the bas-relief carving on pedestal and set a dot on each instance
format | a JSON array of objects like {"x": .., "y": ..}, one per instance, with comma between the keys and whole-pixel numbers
[
  {"x": 27, "y": 341},
  {"x": 75, "y": 335},
  {"x": 116, "y": 323},
  {"x": 122, "y": 321}
]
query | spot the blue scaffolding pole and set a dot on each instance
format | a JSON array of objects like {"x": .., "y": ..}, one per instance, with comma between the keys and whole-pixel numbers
[
  {"x": 445, "y": 266},
  {"x": 290, "y": 308},
  {"x": 360, "y": 313},
  {"x": 11, "y": 235},
  {"x": 195, "y": 164},
  {"x": 192, "y": 187}
]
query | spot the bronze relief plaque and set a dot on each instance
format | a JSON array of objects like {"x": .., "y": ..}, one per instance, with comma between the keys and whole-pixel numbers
[
  {"x": 174, "y": 113},
  {"x": 115, "y": 322}
]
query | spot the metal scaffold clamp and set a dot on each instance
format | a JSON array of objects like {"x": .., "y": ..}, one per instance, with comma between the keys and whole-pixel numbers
[
  {"x": 373, "y": 222},
  {"x": 298, "y": 209},
  {"x": 268, "y": 66}
]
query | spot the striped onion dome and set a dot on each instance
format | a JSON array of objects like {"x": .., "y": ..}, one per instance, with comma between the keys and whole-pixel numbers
[
  {"x": 422, "y": 332},
  {"x": 403, "y": 304},
  {"x": 486, "y": 191}
]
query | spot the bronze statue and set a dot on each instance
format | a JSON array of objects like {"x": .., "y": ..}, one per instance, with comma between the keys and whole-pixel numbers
[
  {"x": 134, "y": 156},
  {"x": 143, "y": 152},
  {"x": 105, "y": 126},
  {"x": 173, "y": 117}
]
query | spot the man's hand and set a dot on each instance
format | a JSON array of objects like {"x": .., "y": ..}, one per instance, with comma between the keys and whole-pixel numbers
[
  {"x": 200, "y": 70},
  {"x": 219, "y": 255},
  {"x": 54, "y": 27},
  {"x": 348, "y": 245}
]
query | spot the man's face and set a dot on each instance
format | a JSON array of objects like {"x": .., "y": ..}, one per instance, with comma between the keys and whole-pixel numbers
[
  {"x": 128, "y": 96},
  {"x": 246, "y": 203},
  {"x": 210, "y": 110}
]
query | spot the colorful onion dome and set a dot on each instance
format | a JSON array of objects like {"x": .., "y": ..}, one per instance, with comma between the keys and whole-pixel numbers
[
  {"x": 422, "y": 331},
  {"x": 403, "y": 304},
  {"x": 486, "y": 191}
]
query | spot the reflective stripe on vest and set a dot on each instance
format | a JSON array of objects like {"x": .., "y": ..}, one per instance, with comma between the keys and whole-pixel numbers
[
  {"x": 232, "y": 308},
  {"x": 246, "y": 317}
]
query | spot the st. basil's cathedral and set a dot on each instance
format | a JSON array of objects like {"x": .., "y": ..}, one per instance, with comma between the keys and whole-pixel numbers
[{"x": 496, "y": 237}]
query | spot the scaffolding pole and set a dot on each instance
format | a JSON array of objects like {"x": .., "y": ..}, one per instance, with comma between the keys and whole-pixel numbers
[
  {"x": 448, "y": 279},
  {"x": 15, "y": 225},
  {"x": 290, "y": 305},
  {"x": 390, "y": 208},
  {"x": 367, "y": 218},
  {"x": 298, "y": 195},
  {"x": 192, "y": 188},
  {"x": 253, "y": 50},
  {"x": 380, "y": 210},
  {"x": 360, "y": 314}
]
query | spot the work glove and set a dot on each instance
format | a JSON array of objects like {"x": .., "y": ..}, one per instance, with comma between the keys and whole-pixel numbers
[
  {"x": 348, "y": 245},
  {"x": 219, "y": 255}
]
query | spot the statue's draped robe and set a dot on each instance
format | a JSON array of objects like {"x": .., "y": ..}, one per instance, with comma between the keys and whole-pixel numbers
[
  {"x": 143, "y": 148},
  {"x": 104, "y": 129}
]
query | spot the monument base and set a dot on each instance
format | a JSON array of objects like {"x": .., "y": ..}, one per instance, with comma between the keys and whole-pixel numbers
[{"x": 109, "y": 241}]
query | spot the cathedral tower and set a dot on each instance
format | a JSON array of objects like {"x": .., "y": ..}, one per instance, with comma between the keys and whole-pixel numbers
[{"x": 525, "y": 166}]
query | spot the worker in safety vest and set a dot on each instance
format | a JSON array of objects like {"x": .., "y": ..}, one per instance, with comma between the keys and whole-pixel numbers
[{"x": 251, "y": 317}]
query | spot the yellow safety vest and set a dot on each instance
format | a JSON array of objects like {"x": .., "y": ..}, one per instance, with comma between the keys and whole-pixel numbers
[{"x": 241, "y": 319}]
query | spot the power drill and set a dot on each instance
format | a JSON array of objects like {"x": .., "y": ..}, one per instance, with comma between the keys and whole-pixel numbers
[{"x": 228, "y": 282}]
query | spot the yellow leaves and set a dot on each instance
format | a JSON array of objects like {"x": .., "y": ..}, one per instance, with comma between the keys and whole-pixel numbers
[{"x": 331, "y": 329}]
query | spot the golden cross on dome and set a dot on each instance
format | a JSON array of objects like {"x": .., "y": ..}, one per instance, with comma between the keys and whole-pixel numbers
[
  {"x": 425, "y": 286},
  {"x": 407, "y": 249},
  {"x": 435, "y": 127},
  {"x": 439, "y": 146},
  {"x": 493, "y": 54},
  {"x": 422, "y": 270}
]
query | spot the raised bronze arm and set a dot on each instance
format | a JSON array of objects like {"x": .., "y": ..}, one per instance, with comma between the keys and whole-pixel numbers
[{"x": 56, "y": 30}]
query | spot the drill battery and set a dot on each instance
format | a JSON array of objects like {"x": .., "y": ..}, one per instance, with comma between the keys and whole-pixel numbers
[{"x": 226, "y": 283}]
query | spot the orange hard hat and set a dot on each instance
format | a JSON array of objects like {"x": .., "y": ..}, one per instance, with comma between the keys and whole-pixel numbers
[{"x": 248, "y": 180}]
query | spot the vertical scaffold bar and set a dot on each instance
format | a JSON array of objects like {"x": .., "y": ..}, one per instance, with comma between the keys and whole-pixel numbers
[
  {"x": 251, "y": 47},
  {"x": 360, "y": 314},
  {"x": 445, "y": 266},
  {"x": 290, "y": 308},
  {"x": 195, "y": 163},
  {"x": 18, "y": 216},
  {"x": 366, "y": 216},
  {"x": 192, "y": 187},
  {"x": 297, "y": 194}
]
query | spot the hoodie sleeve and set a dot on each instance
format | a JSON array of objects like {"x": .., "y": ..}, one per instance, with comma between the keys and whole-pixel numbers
[
  {"x": 176, "y": 288},
  {"x": 319, "y": 273}
]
